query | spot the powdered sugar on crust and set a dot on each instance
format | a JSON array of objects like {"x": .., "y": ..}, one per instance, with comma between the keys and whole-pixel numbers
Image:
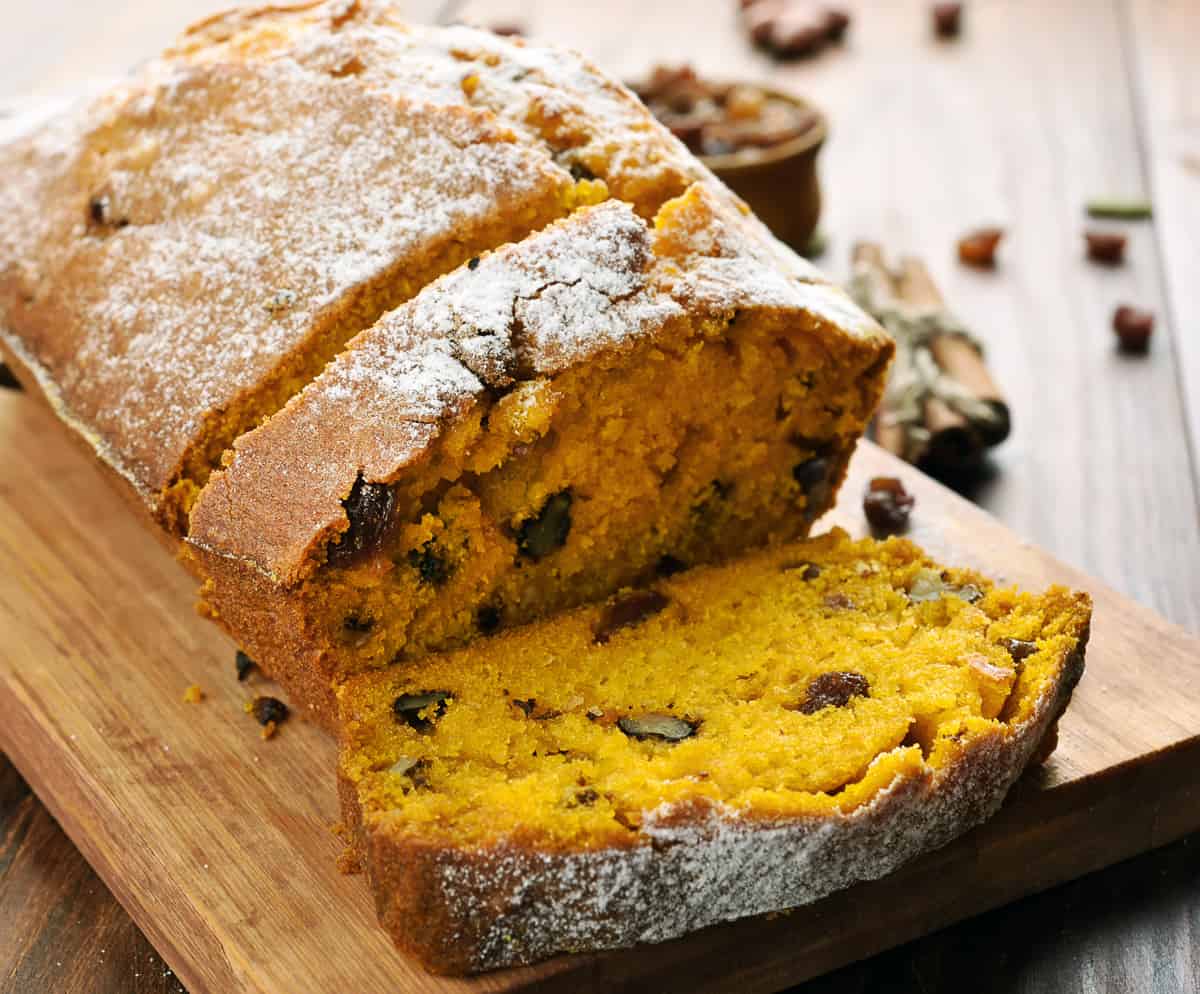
[
  {"x": 551, "y": 95},
  {"x": 166, "y": 249},
  {"x": 518, "y": 905}
]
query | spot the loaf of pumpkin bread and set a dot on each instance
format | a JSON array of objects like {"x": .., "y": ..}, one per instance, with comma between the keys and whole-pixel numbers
[{"x": 408, "y": 339}]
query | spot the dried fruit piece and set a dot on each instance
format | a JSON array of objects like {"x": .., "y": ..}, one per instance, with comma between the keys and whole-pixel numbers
[
  {"x": 403, "y": 764},
  {"x": 947, "y": 19},
  {"x": 432, "y": 567},
  {"x": 968, "y": 592},
  {"x": 669, "y": 566},
  {"x": 244, "y": 665},
  {"x": 1107, "y": 247},
  {"x": 422, "y": 709},
  {"x": 978, "y": 248},
  {"x": 666, "y": 727},
  {"x": 1019, "y": 649},
  {"x": 530, "y": 708},
  {"x": 808, "y": 571},
  {"x": 541, "y": 535},
  {"x": 1120, "y": 209},
  {"x": 836, "y": 23},
  {"x": 799, "y": 30},
  {"x": 416, "y": 770},
  {"x": 369, "y": 510},
  {"x": 358, "y": 625},
  {"x": 268, "y": 710},
  {"x": 487, "y": 619},
  {"x": 811, "y": 472},
  {"x": 833, "y": 690},
  {"x": 193, "y": 695},
  {"x": 628, "y": 610},
  {"x": 1133, "y": 327},
  {"x": 887, "y": 504},
  {"x": 508, "y": 29},
  {"x": 931, "y": 585}
]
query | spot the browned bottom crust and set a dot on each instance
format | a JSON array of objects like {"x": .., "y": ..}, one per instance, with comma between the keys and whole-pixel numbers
[{"x": 462, "y": 911}]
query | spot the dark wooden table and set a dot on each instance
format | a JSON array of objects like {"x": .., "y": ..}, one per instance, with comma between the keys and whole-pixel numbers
[{"x": 1037, "y": 108}]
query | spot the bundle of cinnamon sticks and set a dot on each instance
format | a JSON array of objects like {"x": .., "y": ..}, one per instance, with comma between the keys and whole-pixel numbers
[{"x": 941, "y": 409}]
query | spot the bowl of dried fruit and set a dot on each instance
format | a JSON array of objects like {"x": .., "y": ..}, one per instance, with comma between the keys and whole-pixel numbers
[{"x": 761, "y": 141}]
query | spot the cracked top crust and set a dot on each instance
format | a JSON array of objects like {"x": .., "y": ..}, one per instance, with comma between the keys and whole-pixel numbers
[{"x": 599, "y": 280}]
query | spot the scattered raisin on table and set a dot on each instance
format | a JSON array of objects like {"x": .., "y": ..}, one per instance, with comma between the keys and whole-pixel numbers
[
  {"x": 244, "y": 665},
  {"x": 628, "y": 610},
  {"x": 369, "y": 510},
  {"x": 978, "y": 248},
  {"x": 887, "y": 504},
  {"x": 947, "y": 19},
  {"x": 267, "y": 710},
  {"x": 1133, "y": 327},
  {"x": 1105, "y": 247},
  {"x": 833, "y": 690}
]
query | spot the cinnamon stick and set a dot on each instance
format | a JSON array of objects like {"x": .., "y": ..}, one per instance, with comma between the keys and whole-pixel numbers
[
  {"x": 957, "y": 357},
  {"x": 942, "y": 407},
  {"x": 952, "y": 442},
  {"x": 867, "y": 257}
]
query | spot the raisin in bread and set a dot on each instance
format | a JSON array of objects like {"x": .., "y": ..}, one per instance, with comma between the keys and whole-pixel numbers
[
  {"x": 737, "y": 740},
  {"x": 560, "y": 418}
]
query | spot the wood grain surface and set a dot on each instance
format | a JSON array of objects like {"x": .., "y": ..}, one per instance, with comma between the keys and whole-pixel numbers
[
  {"x": 1036, "y": 108},
  {"x": 219, "y": 843}
]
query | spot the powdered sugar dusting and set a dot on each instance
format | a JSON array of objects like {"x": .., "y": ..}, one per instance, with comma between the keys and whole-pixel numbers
[
  {"x": 550, "y": 95},
  {"x": 220, "y": 241}
]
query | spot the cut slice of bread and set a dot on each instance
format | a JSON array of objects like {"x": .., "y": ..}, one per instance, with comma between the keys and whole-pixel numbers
[{"x": 728, "y": 742}]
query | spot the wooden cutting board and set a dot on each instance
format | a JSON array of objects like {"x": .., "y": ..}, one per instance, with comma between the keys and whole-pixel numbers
[{"x": 219, "y": 845}]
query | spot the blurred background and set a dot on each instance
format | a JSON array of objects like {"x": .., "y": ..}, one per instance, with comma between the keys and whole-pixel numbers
[{"x": 1016, "y": 118}]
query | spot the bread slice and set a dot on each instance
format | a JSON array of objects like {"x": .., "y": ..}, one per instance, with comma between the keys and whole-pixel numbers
[
  {"x": 561, "y": 418},
  {"x": 728, "y": 742}
]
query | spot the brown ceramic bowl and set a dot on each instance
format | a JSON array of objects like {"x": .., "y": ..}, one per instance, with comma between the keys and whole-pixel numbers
[{"x": 779, "y": 182}]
